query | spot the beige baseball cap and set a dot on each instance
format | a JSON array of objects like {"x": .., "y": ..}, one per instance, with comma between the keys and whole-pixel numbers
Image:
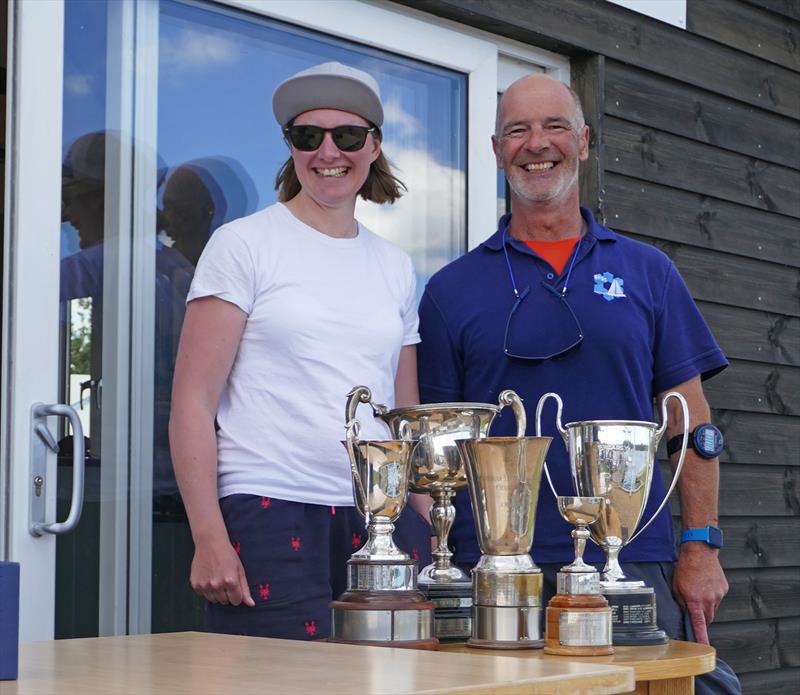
[{"x": 328, "y": 86}]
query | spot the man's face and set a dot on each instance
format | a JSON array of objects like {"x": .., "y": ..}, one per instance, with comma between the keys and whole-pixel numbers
[{"x": 540, "y": 142}]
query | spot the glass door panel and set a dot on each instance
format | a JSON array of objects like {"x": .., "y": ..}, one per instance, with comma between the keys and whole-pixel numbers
[{"x": 221, "y": 148}]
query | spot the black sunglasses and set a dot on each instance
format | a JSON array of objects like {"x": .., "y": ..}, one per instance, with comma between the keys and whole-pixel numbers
[
  {"x": 348, "y": 138},
  {"x": 543, "y": 328}
]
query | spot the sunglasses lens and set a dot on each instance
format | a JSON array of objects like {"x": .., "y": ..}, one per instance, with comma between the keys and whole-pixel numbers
[
  {"x": 307, "y": 138},
  {"x": 350, "y": 138}
]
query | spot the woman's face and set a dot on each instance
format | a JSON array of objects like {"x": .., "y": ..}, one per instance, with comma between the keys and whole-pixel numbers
[{"x": 329, "y": 176}]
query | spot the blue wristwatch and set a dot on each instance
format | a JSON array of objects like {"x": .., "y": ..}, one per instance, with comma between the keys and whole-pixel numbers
[
  {"x": 709, "y": 534},
  {"x": 705, "y": 439}
]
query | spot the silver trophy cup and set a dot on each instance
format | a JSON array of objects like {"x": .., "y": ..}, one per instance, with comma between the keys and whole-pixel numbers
[
  {"x": 382, "y": 605},
  {"x": 504, "y": 477},
  {"x": 437, "y": 468},
  {"x": 615, "y": 460}
]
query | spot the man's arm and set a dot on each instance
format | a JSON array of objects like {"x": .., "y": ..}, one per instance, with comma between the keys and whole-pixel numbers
[{"x": 699, "y": 583}]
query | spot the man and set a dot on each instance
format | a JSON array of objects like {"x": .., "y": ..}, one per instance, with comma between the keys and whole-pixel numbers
[{"x": 554, "y": 301}]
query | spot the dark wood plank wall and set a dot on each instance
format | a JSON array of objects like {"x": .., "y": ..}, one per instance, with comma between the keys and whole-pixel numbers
[{"x": 696, "y": 149}]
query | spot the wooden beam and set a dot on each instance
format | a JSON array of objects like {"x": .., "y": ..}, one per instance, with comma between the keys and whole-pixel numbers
[
  {"x": 768, "y": 593},
  {"x": 770, "y": 682},
  {"x": 653, "y": 155},
  {"x": 573, "y": 26},
  {"x": 753, "y": 542},
  {"x": 758, "y": 336},
  {"x": 675, "y": 107},
  {"x": 752, "y": 490},
  {"x": 733, "y": 280},
  {"x": 756, "y": 388},
  {"x": 746, "y": 28},
  {"x": 759, "y": 438},
  {"x": 748, "y": 646},
  {"x": 649, "y": 209},
  {"x": 588, "y": 81},
  {"x": 787, "y": 8}
]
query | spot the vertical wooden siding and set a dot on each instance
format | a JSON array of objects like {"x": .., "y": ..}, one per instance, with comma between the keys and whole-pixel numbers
[{"x": 696, "y": 150}]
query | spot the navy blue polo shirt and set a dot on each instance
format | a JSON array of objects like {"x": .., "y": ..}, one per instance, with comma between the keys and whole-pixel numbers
[{"x": 642, "y": 335}]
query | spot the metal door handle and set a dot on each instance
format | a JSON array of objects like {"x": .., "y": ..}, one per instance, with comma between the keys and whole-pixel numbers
[{"x": 43, "y": 441}]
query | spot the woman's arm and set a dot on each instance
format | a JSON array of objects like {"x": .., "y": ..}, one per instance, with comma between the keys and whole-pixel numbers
[{"x": 210, "y": 339}]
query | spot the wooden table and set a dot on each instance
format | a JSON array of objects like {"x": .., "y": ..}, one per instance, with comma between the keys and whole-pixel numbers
[
  {"x": 203, "y": 664},
  {"x": 666, "y": 669}
]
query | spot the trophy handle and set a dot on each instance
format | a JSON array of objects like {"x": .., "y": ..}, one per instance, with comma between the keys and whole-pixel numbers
[
  {"x": 658, "y": 434},
  {"x": 351, "y": 443},
  {"x": 361, "y": 394},
  {"x": 509, "y": 397},
  {"x": 559, "y": 426}
]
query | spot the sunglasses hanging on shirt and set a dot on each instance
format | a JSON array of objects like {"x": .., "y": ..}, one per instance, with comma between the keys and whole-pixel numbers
[
  {"x": 543, "y": 327},
  {"x": 348, "y": 138}
]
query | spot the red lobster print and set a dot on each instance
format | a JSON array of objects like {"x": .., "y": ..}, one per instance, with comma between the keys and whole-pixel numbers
[
  {"x": 311, "y": 628},
  {"x": 295, "y": 543},
  {"x": 263, "y": 590}
]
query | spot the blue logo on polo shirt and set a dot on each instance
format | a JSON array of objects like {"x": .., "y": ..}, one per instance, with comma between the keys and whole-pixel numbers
[{"x": 608, "y": 286}]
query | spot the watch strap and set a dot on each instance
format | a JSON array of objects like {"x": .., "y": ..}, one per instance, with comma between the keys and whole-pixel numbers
[
  {"x": 675, "y": 443},
  {"x": 708, "y": 534}
]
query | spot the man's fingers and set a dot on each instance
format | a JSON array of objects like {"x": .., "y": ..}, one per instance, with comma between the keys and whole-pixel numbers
[{"x": 698, "y": 618}]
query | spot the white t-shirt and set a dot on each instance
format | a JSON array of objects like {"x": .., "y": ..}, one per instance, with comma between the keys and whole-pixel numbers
[{"x": 324, "y": 315}]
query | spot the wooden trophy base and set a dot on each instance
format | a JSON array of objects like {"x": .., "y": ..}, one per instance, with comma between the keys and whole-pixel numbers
[
  {"x": 578, "y": 625},
  {"x": 401, "y": 619}
]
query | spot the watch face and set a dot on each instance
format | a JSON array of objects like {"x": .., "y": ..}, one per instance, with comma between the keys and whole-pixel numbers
[
  {"x": 708, "y": 441},
  {"x": 714, "y": 537}
]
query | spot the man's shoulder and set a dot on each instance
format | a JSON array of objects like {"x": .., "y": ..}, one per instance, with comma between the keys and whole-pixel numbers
[
  {"x": 462, "y": 268},
  {"x": 638, "y": 251}
]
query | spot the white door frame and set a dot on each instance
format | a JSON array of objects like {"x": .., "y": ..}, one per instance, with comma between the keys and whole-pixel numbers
[{"x": 31, "y": 291}]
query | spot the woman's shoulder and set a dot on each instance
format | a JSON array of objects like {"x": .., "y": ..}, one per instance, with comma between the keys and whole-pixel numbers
[
  {"x": 254, "y": 230},
  {"x": 384, "y": 246}
]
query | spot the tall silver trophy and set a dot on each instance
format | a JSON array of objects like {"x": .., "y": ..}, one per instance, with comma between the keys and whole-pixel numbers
[
  {"x": 382, "y": 604},
  {"x": 615, "y": 460},
  {"x": 504, "y": 478},
  {"x": 437, "y": 468}
]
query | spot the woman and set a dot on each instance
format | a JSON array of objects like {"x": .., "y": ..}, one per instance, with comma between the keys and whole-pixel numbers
[{"x": 289, "y": 309}]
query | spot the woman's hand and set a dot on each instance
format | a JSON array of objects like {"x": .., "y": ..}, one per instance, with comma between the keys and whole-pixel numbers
[{"x": 218, "y": 574}]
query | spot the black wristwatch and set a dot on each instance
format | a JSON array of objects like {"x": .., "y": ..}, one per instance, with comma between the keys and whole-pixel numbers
[{"x": 705, "y": 439}]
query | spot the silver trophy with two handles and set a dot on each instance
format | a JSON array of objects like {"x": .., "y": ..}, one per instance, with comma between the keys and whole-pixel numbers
[
  {"x": 437, "y": 468},
  {"x": 382, "y": 604},
  {"x": 615, "y": 460}
]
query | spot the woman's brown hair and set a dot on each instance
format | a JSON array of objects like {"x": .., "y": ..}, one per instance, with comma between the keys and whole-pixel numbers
[{"x": 381, "y": 186}]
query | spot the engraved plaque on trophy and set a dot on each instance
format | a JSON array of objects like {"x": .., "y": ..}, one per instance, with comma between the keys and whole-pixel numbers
[
  {"x": 615, "y": 460},
  {"x": 578, "y": 619}
]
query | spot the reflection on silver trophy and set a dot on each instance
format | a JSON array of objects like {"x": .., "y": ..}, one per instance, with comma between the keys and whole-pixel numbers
[
  {"x": 615, "y": 460},
  {"x": 578, "y": 617},
  {"x": 504, "y": 477},
  {"x": 437, "y": 468},
  {"x": 382, "y": 605}
]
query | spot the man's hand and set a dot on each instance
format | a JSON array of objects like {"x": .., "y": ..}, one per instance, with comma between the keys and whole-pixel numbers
[
  {"x": 699, "y": 585},
  {"x": 217, "y": 574}
]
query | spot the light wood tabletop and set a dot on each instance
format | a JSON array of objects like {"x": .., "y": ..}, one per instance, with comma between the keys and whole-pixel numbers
[
  {"x": 664, "y": 668},
  {"x": 206, "y": 664}
]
